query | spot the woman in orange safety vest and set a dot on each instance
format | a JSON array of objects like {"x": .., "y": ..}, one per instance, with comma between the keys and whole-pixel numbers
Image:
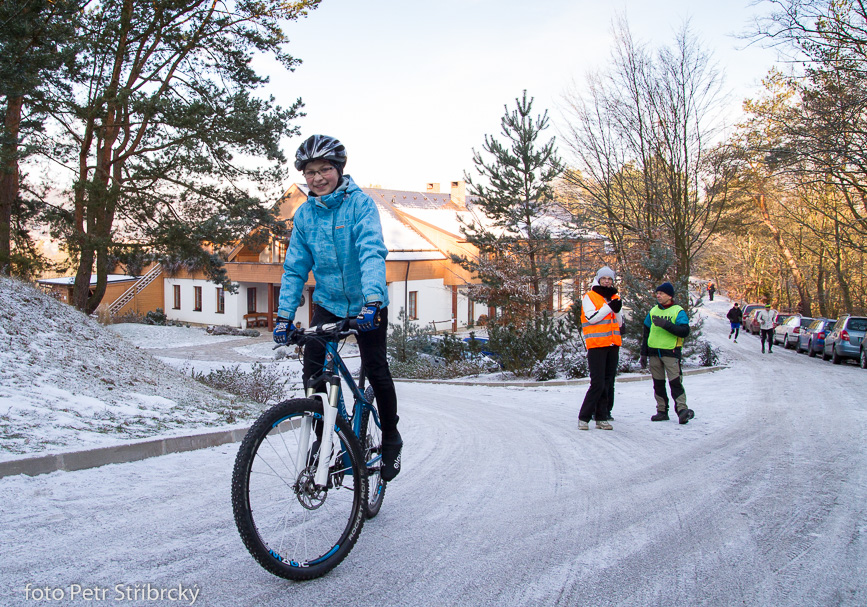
[{"x": 600, "y": 323}]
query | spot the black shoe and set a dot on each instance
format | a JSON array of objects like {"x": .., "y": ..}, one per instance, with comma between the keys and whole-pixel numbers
[
  {"x": 661, "y": 416},
  {"x": 684, "y": 415},
  {"x": 390, "y": 466}
]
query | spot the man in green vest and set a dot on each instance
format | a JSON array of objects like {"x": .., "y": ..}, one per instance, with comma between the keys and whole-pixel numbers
[{"x": 665, "y": 327}]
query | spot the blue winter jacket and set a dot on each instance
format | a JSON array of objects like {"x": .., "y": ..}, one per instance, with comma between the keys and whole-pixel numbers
[{"x": 339, "y": 237}]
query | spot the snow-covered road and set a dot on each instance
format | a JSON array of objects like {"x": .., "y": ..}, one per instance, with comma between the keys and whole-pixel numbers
[{"x": 760, "y": 500}]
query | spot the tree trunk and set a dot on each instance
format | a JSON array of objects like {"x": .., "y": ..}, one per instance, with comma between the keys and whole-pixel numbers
[
  {"x": 9, "y": 179},
  {"x": 820, "y": 284},
  {"x": 803, "y": 291}
]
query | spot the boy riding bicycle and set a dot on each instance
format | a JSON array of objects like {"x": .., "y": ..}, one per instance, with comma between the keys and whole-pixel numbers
[{"x": 337, "y": 234}]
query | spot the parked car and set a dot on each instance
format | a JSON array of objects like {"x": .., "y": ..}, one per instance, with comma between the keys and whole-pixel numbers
[
  {"x": 812, "y": 337},
  {"x": 482, "y": 345},
  {"x": 747, "y": 309},
  {"x": 431, "y": 348},
  {"x": 751, "y": 323},
  {"x": 781, "y": 317},
  {"x": 846, "y": 340},
  {"x": 787, "y": 332}
]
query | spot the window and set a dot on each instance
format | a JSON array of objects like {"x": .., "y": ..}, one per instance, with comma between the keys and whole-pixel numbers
[
  {"x": 471, "y": 312},
  {"x": 276, "y": 289},
  {"x": 197, "y": 296},
  {"x": 221, "y": 301},
  {"x": 251, "y": 300},
  {"x": 176, "y": 291},
  {"x": 413, "y": 305},
  {"x": 282, "y": 245}
]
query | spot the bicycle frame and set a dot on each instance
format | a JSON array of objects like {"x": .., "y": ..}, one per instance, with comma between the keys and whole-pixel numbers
[{"x": 332, "y": 405}]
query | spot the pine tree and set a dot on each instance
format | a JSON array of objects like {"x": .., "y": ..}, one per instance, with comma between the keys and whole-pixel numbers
[
  {"x": 169, "y": 144},
  {"x": 517, "y": 225},
  {"x": 37, "y": 50}
]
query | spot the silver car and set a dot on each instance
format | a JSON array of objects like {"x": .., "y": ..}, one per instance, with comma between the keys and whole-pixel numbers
[
  {"x": 787, "y": 332},
  {"x": 846, "y": 340}
]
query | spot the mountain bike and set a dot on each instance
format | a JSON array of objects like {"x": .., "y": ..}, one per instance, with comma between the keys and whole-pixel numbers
[{"x": 307, "y": 474}]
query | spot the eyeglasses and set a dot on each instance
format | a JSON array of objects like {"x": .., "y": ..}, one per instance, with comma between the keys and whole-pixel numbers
[{"x": 325, "y": 172}]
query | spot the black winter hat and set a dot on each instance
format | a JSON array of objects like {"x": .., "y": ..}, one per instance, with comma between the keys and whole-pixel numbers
[{"x": 666, "y": 287}]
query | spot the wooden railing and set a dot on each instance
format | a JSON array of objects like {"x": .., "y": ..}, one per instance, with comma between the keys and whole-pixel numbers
[{"x": 139, "y": 285}]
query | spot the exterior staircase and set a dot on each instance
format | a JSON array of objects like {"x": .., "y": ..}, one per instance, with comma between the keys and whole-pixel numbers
[{"x": 117, "y": 305}]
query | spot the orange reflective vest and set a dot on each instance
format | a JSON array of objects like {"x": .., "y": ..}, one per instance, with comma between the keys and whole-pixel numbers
[{"x": 604, "y": 333}]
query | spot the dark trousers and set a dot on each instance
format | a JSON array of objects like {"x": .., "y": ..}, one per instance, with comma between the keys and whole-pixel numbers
[
  {"x": 767, "y": 335},
  {"x": 372, "y": 347},
  {"x": 600, "y": 395}
]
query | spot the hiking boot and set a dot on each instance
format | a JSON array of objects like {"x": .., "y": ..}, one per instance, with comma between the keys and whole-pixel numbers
[
  {"x": 730, "y": 335},
  {"x": 684, "y": 415},
  {"x": 603, "y": 425},
  {"x": 390, "y": 466},
  {"x": 582, "y": 425},
  {"x": 736, "y": 341},
  {"x": 661, "y": 416}
]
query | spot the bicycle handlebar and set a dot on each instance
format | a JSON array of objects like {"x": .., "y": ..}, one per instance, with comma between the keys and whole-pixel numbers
[{"x": 327, "y": 331}]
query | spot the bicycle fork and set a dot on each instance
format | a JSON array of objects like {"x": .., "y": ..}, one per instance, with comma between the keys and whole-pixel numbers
[{"x": 329, "y": 399}]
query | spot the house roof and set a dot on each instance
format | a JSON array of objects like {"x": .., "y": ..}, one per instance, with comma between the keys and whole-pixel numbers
[
  {"x": 70, "y": 280},
  {"x": 407, "y": 199},
  {"x": 436, "y": 210},
  {"x": 402, "y": 241}
]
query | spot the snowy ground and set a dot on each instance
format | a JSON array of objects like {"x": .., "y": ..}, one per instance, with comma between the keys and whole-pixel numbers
[
  {"x": 760, "y": 500},
  {"x": 66, "y": 382}
]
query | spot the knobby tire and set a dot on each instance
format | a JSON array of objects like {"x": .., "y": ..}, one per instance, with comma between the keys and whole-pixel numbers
[
  {"x": 291, "y": 528},
  {"x": 371, "y": 441}
]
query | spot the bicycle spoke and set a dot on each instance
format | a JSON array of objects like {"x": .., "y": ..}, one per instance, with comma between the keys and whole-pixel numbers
[{"x": 292, "y": 527}]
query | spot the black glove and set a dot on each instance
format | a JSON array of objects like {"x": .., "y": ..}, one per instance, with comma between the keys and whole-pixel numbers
[
  {"x": 615, "y": 305},
  {"x": 368, "y": 318},
  {"x": 283, "y": 330},
  {"x": 642, "y": 361},
  {"x": 662, "y": 323}
]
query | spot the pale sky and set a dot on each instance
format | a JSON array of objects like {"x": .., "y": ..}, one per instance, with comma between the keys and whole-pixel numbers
[{"x": 411, "y": 87}]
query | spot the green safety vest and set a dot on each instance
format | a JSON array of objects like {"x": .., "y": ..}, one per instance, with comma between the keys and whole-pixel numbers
[{"x": 659, "y": 337}]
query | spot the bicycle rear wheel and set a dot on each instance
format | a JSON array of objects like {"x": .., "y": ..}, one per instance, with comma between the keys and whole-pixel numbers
[
  {"x": 371, "y": 442},
  {"x": 292, "y": 528}
]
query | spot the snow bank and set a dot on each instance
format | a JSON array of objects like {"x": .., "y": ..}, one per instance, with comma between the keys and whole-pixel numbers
[{"x": 66, "y": 381}]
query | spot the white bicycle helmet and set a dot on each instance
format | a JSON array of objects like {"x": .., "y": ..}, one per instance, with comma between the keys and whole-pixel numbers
[{"x": 321, "y": 147}]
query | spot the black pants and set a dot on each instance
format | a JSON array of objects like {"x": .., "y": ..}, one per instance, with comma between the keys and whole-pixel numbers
[
  {"x": 372, "y": 345},
  {"x": 600, "y": 395},
  {"x": 767, "y": 334}
]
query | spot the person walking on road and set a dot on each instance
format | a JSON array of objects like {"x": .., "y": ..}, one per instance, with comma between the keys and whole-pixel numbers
[
  {"x": 665, "y": 327},
  {"x": 736, "y": 317},
  {"x": 711, "y": 289},
  {"x": 337, "y": 233},
  {"x": 765, "y": 319},
  {"x": 600, "y": 323}
]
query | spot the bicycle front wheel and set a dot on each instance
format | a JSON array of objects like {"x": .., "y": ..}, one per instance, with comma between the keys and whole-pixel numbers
[
  {"x": 293, "y": 528},
  {"x": 371, "y": 443}
]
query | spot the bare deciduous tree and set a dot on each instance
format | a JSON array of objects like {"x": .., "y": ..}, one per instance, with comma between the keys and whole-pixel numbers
[{"x": 647, "y": 174}]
